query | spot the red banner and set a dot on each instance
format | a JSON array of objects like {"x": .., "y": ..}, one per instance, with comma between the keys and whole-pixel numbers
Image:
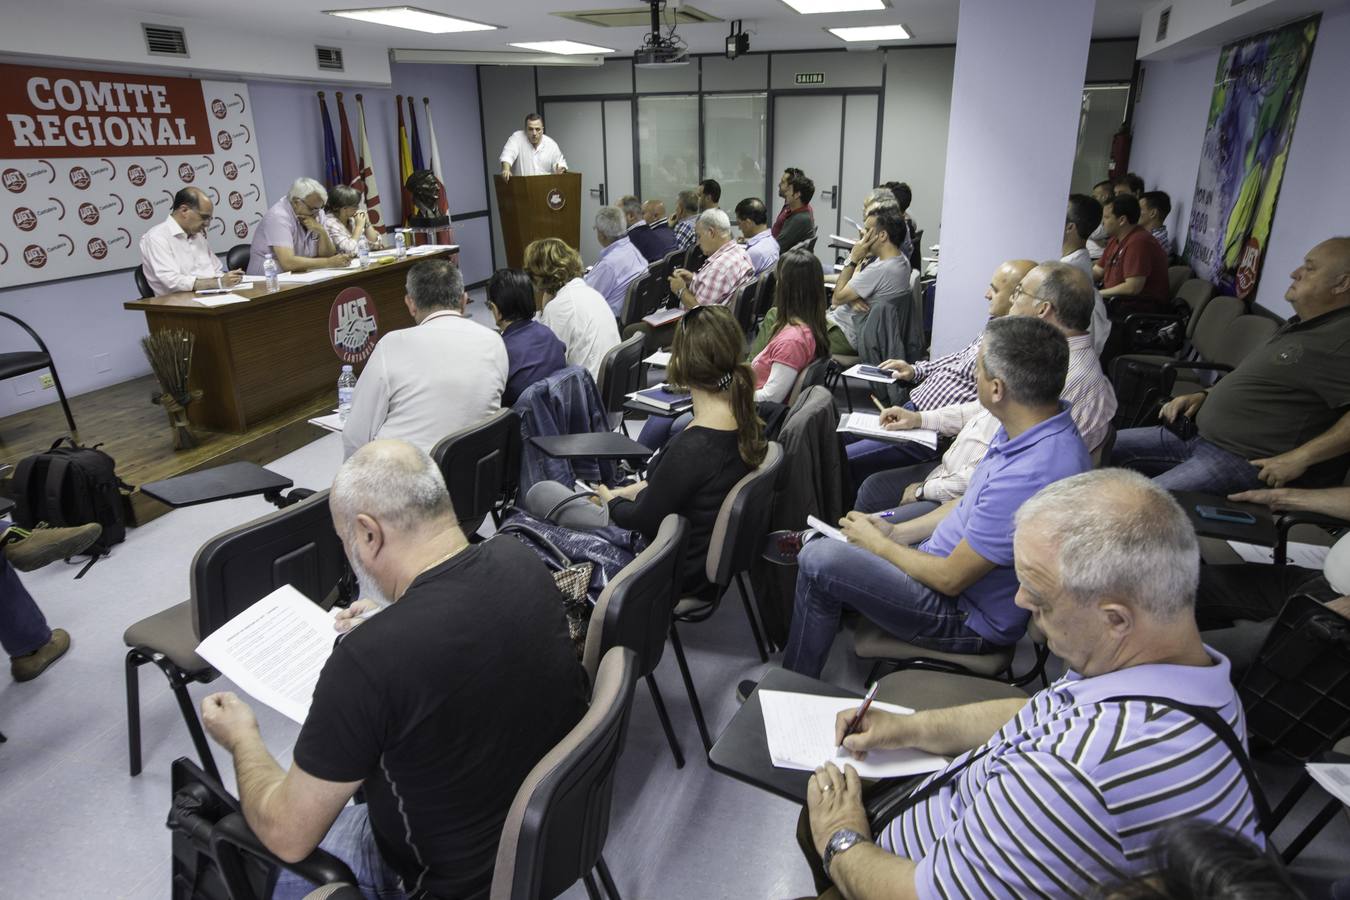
[{"x": 68, "y": 113}]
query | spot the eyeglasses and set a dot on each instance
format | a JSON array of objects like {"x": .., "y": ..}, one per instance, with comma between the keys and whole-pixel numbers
[{"x": 1019, "y": 292}]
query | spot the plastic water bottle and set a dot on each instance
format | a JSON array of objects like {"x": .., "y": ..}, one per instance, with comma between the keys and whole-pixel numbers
[
  {"x": 346, "y": 389},
  {"x": 270, "y": 270},
  {"x": 400, "y": 244},
  {"x": 363, "y": 251}
]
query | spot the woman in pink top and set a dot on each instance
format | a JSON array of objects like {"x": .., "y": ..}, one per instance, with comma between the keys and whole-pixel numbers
[{"x": 799, "y": 331}]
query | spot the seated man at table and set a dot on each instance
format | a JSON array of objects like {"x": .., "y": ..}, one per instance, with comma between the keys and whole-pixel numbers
[
  {"x": 945, "y": 580},
  {"x": 426, "y": 382},
  {"x": 175, "y": 255},
  {"x": 292, "y": 231},
  {"x": 421, "y": 705},
  {"x": 1133, "y": 268},
  {"x": 1280, "y": 416},
  {"x": 1055, "y": 795},
  {"x": 620, "y": 262}
]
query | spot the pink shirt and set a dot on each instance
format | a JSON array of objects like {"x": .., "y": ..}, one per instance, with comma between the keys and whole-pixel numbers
[{"x": 794, "y": 346}]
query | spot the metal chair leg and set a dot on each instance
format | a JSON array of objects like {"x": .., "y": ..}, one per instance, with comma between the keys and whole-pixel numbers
[
  {"x": 61, "y": 395},
  {"x": 1319, "y": 821},
  {"x": 591, "y": 890},
  {"x": 135, "y": 659},
  {"x": 665, "y": 722},
  {"x": 760, "y": 643},
  {"x": 179, "y": 681},
  {"x": 689, "y": 688},
  {"x": 607, "y": 879}
]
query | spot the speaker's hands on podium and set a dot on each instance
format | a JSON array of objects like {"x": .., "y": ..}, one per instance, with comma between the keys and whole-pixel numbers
[
  {"x": 559, "y": 168},
  {"x": 506, "y": 171}
]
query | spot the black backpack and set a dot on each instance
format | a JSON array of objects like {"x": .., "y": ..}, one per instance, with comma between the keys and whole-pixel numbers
[{"x": 72, "y": 485}]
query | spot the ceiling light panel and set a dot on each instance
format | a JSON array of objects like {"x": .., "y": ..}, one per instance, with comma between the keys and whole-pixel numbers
[
  {"x": 411, "y": 18},
  {"x": 564, "y": 48},
  {"x": 816, "y": 7},
  {"x": 873, "y": 34}
]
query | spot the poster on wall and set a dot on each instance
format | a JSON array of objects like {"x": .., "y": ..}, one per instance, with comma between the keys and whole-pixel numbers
[
  {"x": 89, "y": 161},
  {"x": 1257, "y": 91}
]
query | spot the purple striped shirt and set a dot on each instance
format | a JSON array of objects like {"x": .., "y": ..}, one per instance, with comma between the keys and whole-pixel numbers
[
  {"x": 1076, "y": 786},
  {"x": 948, "y": 379}
]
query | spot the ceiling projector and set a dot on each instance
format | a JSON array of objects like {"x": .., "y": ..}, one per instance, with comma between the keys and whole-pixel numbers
[{"x": 660, "y": 51}]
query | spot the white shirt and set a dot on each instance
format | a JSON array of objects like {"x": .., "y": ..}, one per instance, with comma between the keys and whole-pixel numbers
[
  {"x": 426, "y": 382},
  {"x": 526, "y": 159},
  {"x": 583, "y": 321},
  {"x": 1100, "y": 329},
  {"x": 173, "y": 262}
]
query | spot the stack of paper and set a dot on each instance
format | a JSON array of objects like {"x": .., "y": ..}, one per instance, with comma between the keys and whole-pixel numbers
[
  {"x": 661, "y": 359},
  {"x": 662, "y": 316},
  {"x": 800, "y": 732},
  {"x": 1335, "y": 777},
  {"x": 242, "y": 285},
  {"x": 332, "y": 422},
  {"x": 308, "y": 277},
  {"x": 430, "y": 248},
  {"x": 869, "y": 425},
  {"x": 826, "y": 529},
  {"x": 221, "y": 299},
  {"x": 1309, "y": 556}
]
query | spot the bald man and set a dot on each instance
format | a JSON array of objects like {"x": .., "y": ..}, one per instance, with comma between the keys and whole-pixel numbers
[
  {"x": 175, "y": 255},
  {"x": 1280, "y": 416},
  {"x": 944, "y": 381}
]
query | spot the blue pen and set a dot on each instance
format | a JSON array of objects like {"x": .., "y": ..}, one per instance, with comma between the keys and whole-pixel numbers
[{"x": 886, "y": 515}]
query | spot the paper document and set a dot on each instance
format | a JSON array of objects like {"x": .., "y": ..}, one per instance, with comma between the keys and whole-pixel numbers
[
  {"x": 660, "y": 358},
  {"x": 430, "y": 248},
  {"x": 869, "y": 424},
  {"x": 308, "y": 277},
  {"x": 857, "y": 372},
  {"x": 221, "y": 300},
  {"x": 661, "y": 317},
  {"x": 332, "y": 422},
  {"x": 1335, "y": 777},
  {"x": 840, "y": 240},
  {"x": 853, "y": 223},
  {"x": 1309, "y": 556},
  {"x": 274, "y": 650},
  {"x": 800, "y": 730},
  {"x": 828, "y": 530},
  {"x": 243, "y": 285}
]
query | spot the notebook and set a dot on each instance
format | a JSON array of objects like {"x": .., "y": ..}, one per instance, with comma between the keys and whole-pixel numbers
[{"x": 661, "y": 397}]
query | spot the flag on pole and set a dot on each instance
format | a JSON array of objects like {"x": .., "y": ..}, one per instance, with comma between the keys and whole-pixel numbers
[
  {"x": 350, "y": 170},
  {"x": 365, "y": 171},
  {"x": 404, "y": 162},
  {"x": 331, "y": 170},
  {"x": 416, "y": 139},
  {"x": 445, "y": 235}
]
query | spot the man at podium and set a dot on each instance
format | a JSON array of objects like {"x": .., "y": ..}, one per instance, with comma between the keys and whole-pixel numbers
[{"x": 531, "y": 152}]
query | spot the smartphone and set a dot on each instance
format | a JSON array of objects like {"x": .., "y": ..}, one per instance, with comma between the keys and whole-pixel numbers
[
  {"x": 1225, "y": 514},
  {"x": 877, "y": 371}
]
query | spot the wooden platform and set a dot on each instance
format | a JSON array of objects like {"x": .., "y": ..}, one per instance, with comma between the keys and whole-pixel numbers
[{"x": 136, "y": 434}]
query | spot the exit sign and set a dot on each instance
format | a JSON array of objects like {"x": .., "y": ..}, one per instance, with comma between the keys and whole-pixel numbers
[{"x": 810, "y": 77}]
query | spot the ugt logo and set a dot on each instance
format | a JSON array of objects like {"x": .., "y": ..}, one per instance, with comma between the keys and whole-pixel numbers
[{"x": 352, "y": 326}]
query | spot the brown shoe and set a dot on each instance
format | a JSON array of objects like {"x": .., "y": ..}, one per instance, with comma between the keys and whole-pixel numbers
[
  {"x": 26, "y": 668},
  {"x": 29, "y": 550}
]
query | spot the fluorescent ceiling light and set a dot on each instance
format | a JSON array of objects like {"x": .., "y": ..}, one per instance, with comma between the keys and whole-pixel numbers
[
  {"x": 871, "y": 33},
  {"x": 412, "y": 18},
  {"x": 812, "y": 7},
  {"x": 565, "y": 48}
]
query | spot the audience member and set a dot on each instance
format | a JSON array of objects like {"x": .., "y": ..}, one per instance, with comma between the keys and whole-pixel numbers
[
  {"x": 1061, "y": 295},
  {"x": 800, "y": 220},
  {"x": 572, "y": 309},
  {"x": 402, "y": 710},
  {"x": 1154, "y": 208},
  {"x": 175, "y": 254},
  {"x": 654, "y": 214},
  {"x": 347, "y": 222},
  {"x": 429, "y": 381},
  {"x": 798, "y": 336},
  {"x": 728, "y": 265},
  {"x": 651, "y": 245},
  {"x": 1280, "y": 415},
  {"x": 31, "y": 549},
  {"x": 709, "y": 194},
  {"x": 1133, "y": 269},
  {"x": 904, "y": 196},
  {"x": 684, "y": 217},
  {"x": 1058, "y": 794},
  {"x": 620, "y": 262},
  {"x": 753, "y": 221},
  {"x": 531, "y": 152},
  {"x": 945, "y": 580},
  {"x": 885, "y": 278},
  {"x": 1083, "y": 215},
  {"x": 290, "y": 230},
  {"x": 1129, "y": 183},
  {"x": 1096, "y": 242},
  {"x": 1197, "y": 860},
  {"x": 876, "y": 198},
  {"x": 786, "y": 209},
  {"x": 31, "y": 645},
  {"x": 533, "y": 352}
]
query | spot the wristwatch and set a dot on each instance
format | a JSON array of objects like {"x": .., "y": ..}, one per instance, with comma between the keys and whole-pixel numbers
[{"x": 840, "y": 841}]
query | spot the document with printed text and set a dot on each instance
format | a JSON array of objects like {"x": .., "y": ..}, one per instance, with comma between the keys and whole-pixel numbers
[{"x": 869, "y": 425}]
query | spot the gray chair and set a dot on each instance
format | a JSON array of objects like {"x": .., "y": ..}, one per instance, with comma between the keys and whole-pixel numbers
[
  {"x": 296, "y": 546},
  {"x": 621, "y": 372},
  {"x": 634, "y": 611},
  {"x": 644, "y": 296},
  {"x": 1176, "y": 277},
  {"x": 813, "y": 374},
  {"x": 238, "y": 257},
  {"x": 481, "y": 468},
  {"x": 21, "y": 362},
  {"x": 893, "y": 654},
  {"x": 738, "y": 534},
  {"x": 556, "y": 828}
]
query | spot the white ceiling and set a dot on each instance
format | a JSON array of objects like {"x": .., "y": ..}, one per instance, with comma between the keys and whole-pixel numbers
[{"x": 772, "y": 24}]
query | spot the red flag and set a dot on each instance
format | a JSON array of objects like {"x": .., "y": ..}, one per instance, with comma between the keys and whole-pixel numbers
[
  {"x": 351, "y": 172},
  {"x": 404, "y": 162}
]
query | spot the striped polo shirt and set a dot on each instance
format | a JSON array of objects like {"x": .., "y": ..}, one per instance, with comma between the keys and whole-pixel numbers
[{"x": 1076, "y": 786}]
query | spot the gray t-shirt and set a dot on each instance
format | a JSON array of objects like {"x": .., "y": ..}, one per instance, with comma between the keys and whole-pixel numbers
[{"x": 882, "y": 279}]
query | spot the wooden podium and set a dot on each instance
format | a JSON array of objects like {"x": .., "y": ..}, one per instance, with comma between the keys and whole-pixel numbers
[{"x": 538, "y": 206}]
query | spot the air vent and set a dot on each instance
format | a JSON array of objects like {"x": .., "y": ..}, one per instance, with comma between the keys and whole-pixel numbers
[
  {"x": 329, "y": 58},
  {"x": 638, "y": 16},
  {"x": 164, "y": 40},
  {"x": 1164, "y": 19}
]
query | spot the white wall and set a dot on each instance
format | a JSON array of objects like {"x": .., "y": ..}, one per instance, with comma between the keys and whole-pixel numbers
[
  {"x": 1169, "y": 130},
  {"x": 914, "y": 129}
]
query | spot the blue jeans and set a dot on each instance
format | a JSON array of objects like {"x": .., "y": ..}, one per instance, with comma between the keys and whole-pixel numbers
[
  {"x": 832, "y": 575},
  {"x": 23, "y": 628},
  {"x": 350, "y": 840},
  {"x": 1177, "y": 465},
  {"x": 867, "y": 457},
  {"x": 884, "y": 489}
]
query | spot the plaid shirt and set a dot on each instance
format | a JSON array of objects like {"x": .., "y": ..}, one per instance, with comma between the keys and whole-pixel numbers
[
  {"x": 947, "y": 380},
  {"x": 684, "y": 232},
  {"x": 723, "y": 272}
]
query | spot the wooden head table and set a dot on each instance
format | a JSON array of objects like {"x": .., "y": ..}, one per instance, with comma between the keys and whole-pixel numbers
[{"x": 267, "y": 356}]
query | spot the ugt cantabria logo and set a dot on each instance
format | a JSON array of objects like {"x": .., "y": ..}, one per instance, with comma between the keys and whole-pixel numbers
[
  {"x": 14, "y": 181},
  {"x": 97, "y": 247},
  {"x": 352, "y": 326},
  {"x": 136, "y": 174}
]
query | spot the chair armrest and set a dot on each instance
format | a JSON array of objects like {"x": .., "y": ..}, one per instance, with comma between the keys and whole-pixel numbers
[
  {"x": 1169, "y": 371},
  {"x": 1286, "y": 522},
  {"x": 232, "y": 834}
]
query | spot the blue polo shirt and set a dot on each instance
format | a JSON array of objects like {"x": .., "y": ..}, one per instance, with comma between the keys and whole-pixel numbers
[
  {"x": 533, "y": 352},
  {"x": 1011, "y": 471}
]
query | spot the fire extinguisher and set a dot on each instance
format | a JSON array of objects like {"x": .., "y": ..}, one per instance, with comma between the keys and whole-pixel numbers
[{"x": 1120, "y": 155}]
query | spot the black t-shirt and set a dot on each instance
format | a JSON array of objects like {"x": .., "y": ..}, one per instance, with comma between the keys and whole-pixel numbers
[
  {"x": 689, "y": 477},
  {"x": 441, "y": 704}
]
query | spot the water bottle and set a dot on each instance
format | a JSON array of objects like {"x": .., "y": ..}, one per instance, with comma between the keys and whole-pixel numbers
[
  {"x": 270, "y": 270},
  {"x": 400, "y": 244},
  {"x": 363, "y": 251},
  {"x": 346, "y": 388}
]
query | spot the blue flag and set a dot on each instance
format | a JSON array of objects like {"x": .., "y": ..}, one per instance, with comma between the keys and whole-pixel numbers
[{"x": 332, "y": 169}]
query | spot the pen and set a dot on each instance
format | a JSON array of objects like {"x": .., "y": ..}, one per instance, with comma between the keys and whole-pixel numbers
[
  {"x": 862, "y": 711},
  {"x": 886, "y": 515},
  {"x": 877, "y": 403}
]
